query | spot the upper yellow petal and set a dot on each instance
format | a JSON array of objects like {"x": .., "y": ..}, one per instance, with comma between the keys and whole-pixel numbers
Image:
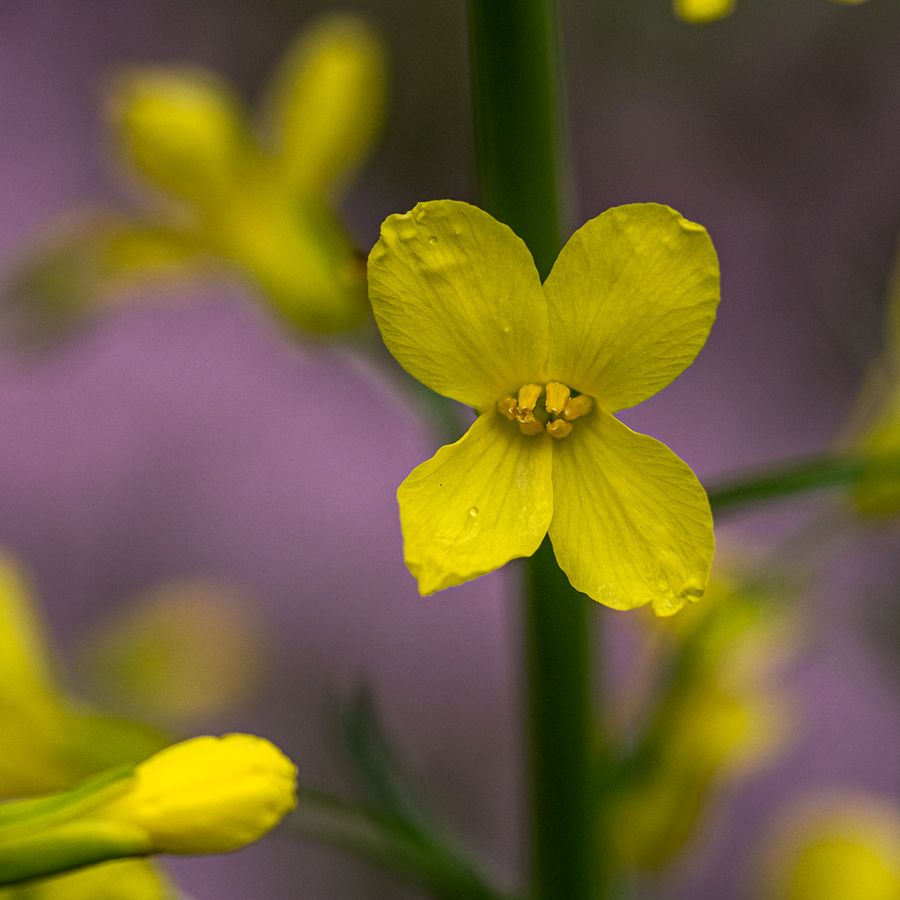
[
  {"x": 632, "y": 298},
  {"x": 631, "y": 523},
  {"x": 182, "y": 129},
  {"x": 458, "y": 301},
  {"x": 476, "y": 504},
  {"x": 327, "y": 103}
]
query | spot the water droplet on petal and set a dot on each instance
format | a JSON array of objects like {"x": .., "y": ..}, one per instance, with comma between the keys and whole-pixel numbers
[
  {"x": 473, "y": 512},
  {"x": 432, "y": 240}
]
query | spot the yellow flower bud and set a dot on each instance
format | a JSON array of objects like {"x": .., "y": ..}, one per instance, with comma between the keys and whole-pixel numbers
[{"x": 207, "y": 795}]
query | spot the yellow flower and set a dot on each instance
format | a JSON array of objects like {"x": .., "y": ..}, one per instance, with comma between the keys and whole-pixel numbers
[
  {"x": 710, "y": 10},
  {"x": 206, "y": 795},
  {"x": 261, "y": 201},
  {"x": 845, "y": 846},
  {"x": 719, "y": 714},
  {"x": 627, "y": 307},
  {"x": 127, "y": 879},
  {"x": 49, "y": 741}
]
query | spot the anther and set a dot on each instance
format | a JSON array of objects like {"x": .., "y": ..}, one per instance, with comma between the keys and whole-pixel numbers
[
  {"x": 507, "y": 407},
  {"x": 577, "y": 406},
  {"x": 529, "y": 394},
  {"x": 559, "y": 428},
  {"x": 557, "y": 395},
  {"x": 528, "y": 424}
]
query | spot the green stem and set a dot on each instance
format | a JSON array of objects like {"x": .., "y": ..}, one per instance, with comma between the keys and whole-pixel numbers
[
  {"x": 805, "y": 476},
  {"x": 516, "y": 75},
  {"x": 565, "y": 825}
]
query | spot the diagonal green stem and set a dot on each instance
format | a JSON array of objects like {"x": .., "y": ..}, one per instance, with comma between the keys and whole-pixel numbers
[
  {"x": 798, "y": 477},
  {"x": 515, "y": 74}
]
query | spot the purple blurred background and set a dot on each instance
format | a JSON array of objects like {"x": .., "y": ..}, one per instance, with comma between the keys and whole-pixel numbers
[{"x": 174, "y": 439}]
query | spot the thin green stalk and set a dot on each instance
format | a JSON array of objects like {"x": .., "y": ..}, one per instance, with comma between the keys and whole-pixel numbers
[
  {"x": 798, "y": 477},
  {"x": 516, "y": 89}
]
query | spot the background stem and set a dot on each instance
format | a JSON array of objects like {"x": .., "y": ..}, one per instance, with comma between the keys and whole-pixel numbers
[{"x": 516, "y": 89}]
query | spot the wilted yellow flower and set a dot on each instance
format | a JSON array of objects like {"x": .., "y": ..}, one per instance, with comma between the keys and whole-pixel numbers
[
  {"x": 261, "y": 203},
  {"x": 843, "y": 846},
  {"x": 206, "y": 795},
  {"x": 627, "y": 307}
]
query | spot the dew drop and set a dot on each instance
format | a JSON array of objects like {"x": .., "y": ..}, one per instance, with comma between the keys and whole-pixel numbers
[
  {"x": 432, "y": 240},
  {"x": 473, "y": 512}
]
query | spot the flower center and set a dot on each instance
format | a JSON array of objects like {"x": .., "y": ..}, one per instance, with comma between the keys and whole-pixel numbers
[{"x": 560, "y": 408}]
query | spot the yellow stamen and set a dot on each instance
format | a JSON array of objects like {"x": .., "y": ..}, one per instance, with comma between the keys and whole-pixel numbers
[
  {"x": 557, "y": 395},
  {"x": 529, "y": 394},
  {"x": 507, "y": 407},
  {"x": 577, "y": 406},
  {"x": 559, "y": 428},
  {"x": 528, "y": 424}
]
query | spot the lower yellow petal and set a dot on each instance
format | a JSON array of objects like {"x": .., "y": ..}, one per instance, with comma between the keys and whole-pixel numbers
[
  {"x": 631, "y": 522},
  {"x": 476, "y": 504}
]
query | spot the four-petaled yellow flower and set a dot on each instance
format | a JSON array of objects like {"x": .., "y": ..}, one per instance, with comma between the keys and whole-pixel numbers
[{"x": 626, "y": 308}]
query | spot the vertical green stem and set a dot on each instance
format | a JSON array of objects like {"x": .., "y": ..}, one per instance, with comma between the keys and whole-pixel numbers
[{"x": 516, "y": 84}]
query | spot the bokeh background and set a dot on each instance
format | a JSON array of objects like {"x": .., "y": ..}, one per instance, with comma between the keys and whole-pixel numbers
[{"x": 184, "y": 436}]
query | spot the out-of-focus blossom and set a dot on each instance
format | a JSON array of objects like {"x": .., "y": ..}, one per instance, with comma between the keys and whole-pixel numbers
[
  {"x": 180, "y": 653},
  {"x": 128, "y": 879},
  {"x": 260, "y": 203},
  {"x": 841, "y": 846},
  {"x": 627, "y": 307},
  {"x": 717, "y": 718},
  {"x": 205, "y": 795},
  {"x": 49, "y": 741},
  {"x": 711, "y": 10}
]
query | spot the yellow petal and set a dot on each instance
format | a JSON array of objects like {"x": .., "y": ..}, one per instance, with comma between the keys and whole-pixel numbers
[
  {"x": 631, "y": 523},
  {"x": 327, "y": 103},
  {"x": 632, "y": 297},
  {"x": 181, "y": 129},
  {"x": 26, "y": 665},
  {"x": 458, "y": 300},
  {"x": 92, "y": 261},
  {"x": 476, "y": 504},
  {"x": 703, "y": 10}
]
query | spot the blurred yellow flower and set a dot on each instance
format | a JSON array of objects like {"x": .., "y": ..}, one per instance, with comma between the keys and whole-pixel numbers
[
  {"x": 843, "y": 846},
  {"x": 205, "y": 795},
  {"x": 48, "y": 741},
  {"x": 717, "y": 716},
  {"x": 710, "y": 10},
  {"x": 178, "y": 654},
  {"x": 627, "y": 307},
  {"x": 127, "y": 879},
  {"x": 260, "y": 203}
]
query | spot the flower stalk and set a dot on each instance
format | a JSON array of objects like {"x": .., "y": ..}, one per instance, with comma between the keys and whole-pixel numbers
[{"x": 515, "y": 76}]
